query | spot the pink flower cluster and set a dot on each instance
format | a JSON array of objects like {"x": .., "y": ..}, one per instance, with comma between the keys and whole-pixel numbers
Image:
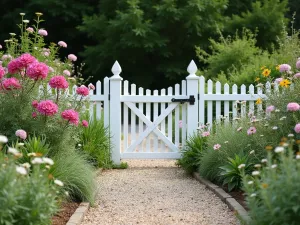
[
  {"x": 37, "y": 70},
  {"x": 82, "y": 90},
  {"x": 42, "y": 32},
  {"x": 85, "y": 123},
  {"x": 22, "y": 62},
  {"x": 62, "y": 44},
  {"x": 297, "y": 75},
  {"x": 21, "y": 134},
  {"x": 205, "y": 134},
  {"x": 58, "y": 82},
  {"x": 297, "y": 128},
  {"x": 293, "y": 107},
  {"x": 284, "y": 68},
  {"x": 2, "y": 72},
  {"x": 11, "y": 83},
  {"x": 47, "y": 108},
  {"x": 270, "y": 108},
  {"x": 217, "y": 146},
  {"x": 72, "y": 57},
  {"x": 251, "y": 130},
  {"x": 71, "y": 115}
]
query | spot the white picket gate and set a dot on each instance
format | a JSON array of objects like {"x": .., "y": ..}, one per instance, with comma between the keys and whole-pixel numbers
[{"x": 148, "y": 124}]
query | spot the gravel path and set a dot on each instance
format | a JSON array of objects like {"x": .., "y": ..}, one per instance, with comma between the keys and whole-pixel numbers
[{"x": 154, "y": 192}]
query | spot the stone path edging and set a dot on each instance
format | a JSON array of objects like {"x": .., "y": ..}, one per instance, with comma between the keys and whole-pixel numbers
[
  {"x": 225, "y": 197},
  {"x": 79, "y": 214}
]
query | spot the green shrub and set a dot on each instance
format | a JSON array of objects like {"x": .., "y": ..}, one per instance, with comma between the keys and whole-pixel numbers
[
  {"x": 231, "y": 171},
  {"x": 76, "y": 173},
  {"x": 95, "y": 142},
  {"x": 273, "y": 195},
  {"x": 192, "y": 153},
  {"x": 25, "y": 199}
]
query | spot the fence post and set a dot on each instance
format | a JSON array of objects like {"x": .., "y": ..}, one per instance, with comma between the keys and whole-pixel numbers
[
  {"x": 115, "y": 112},
  {"x": 192, "y": 89}
]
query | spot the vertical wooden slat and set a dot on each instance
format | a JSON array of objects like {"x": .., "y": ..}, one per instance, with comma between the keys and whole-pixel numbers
[
  {"x": 98, "y": 103},
  {"x": 148, "y": 116},
  {"x": 218, "y": 103},
  {"x": 125, "y": 118},
  {"x": 91, "y": 106},
  {"x": 170, "y": 117},
  {"x": 209, "y": 103},
  {"x": 155, "y": 115},
  {"x": 226, "y": 103},
  {"x": 183, "y": 114},
  {"x": 259, "y": 106},
  {"x": 132, "y": 122},
  {"x": 243, "y": 92},
  {"x": 201, "y": 100},
  {"x": 163, "y": 123},
  {"x": 251, "y": 103},
  {"x": 176, "y": 124},
  {"x": 140, "y": 106},
  {"x": 234, "y": 104},
  {"x": 106, "y": 101}
]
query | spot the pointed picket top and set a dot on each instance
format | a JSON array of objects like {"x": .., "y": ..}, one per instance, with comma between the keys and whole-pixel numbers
[
  {"x": 116, "y": 70},
  {"x": 192, "y": 69}
]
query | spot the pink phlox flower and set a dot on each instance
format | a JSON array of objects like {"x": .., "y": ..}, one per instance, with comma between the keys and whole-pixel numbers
[
  {"x": 217, "y": 146},
  {"x": 6, "y": 57},
  {"x": 67, "y": 73},
  {"x": 62, "y": 44},
  {"x": 82, "y": 90},
  {"x": 11, "y": 83},
  {"x": 42, "y": 32},
  {"x": 34, "y": 115},
  {"x": 58, "y": 82},
  {"x": 298, "y": 64},
  {"x": 293, "y": 107},
  {"x": 35, "y": 104},
  {"x": 26, "y": 59},
  {"x": 270, "y": 108},
  {"x": 30, "y": 29},
  {"x": 91, "y": 86},
  {"x": 85, "y": 123},
  {"x": 2, "y": 72},
  {"x": 14, "y": 66},
  {"x": 297, "y": 128},
  {"x": 297, "y": 75},
  {"x": 251, "y": 130},
  {"x": 72, "y": 57},
  {"x": 21, "y": 134},
  {"x": 205, "y": 134},
  {"x": 71, "y": 115},
  {"x": 37, "y": 70},
  {"x": 284, "y": 68},
  {"x": 180, "y": 123},
  {"x": 47, "y": 108}
]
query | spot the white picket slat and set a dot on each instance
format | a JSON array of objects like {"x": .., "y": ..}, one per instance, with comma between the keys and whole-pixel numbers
[
  {"x": 125, "y": 118},
  {"x": 155, "y": 115}
]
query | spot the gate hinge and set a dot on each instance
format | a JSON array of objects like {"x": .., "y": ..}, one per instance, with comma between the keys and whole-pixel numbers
[
  {"x": 191, "y": 100},
  {"x": 108, "y": 97}
]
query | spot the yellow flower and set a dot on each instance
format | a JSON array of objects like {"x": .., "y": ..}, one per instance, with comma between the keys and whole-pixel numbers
[
  {"x": 268, "y": 147},
  {"x": 277, "y": 67},
  {"x": 257, "y": 79},
  {"x": 285, "y": 83},
  {"x": 263, "y": 67},
  {"x": 264, "y": 185},
  {"x": 258, "y": 101},
  {"x": 266, "y": 72}
]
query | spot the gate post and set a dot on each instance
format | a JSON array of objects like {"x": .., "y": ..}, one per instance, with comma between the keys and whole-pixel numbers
[
  {"x": 192, "y": 89},
  {"x": 115, "y": 112}
]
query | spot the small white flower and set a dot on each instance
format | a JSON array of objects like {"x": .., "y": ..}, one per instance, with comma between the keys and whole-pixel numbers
[
  {"x": 277, "y": 110},
  {"x": 274, "y": 128},
  {"x": 79, "y": 145},
  {"x": 241, "y": 166},
  {"x": 261, "y": 135},
  {"x": 12, "y": 34},
  {"x": 22, "y": 14},
  {"x": 31, "y": 154},
  {"x": 257, "y": 165},
  {"x": 37, "y": 161},
  {"x": 250, "y": 182},
  {"x": 253, "y": 195},
  {"x": 47, "y": 167},
  {"x": 237, "y": 101},
  {"x": 20, "y": 144},
  {"x": 48, "y": 161},
  {"x": 66, "y": 193},
  {"x": 266, "y": 125},
  {"x": 25, "y": 21},
  {"x": 21, "y": 170},
  {"x": 273, "y": 166},
  {"x": 255, "y": 173},
  {"x": 3, "y": 139},
  {"x": 225, "y": 142},
  {"x": 26, "y": 165},
  {"x": 58, "y": 182},
  {"x": 13, "y": 151},
  {"x": 279, "y": 149},
  {"x": 244, "y": 102},
  {"x": 264, "y": 160},
  {"x": 283, "y": 118},
  {"x": 291, "y": 135},
  {"x": 297, "y": 156},
  {"x": 285, "y": 145},
  {"x": 251, "y": 152}
]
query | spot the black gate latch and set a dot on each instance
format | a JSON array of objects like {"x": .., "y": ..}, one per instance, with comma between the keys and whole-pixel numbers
[{"x": 191, "y": 100}]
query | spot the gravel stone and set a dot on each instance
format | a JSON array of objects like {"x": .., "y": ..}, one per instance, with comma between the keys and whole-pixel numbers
[{"x": 152, "y": 192}]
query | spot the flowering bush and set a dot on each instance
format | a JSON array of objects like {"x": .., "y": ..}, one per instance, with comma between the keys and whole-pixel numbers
[
  {"x": 27, "y": 194},
  {"x": 273, "y": 192}
]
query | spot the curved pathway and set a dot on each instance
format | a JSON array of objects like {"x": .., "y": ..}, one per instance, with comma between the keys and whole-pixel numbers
[{"x": 152, "y": 192}]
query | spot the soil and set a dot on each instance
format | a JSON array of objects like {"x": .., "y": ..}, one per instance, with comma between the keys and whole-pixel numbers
[
  {"x": 66, "y": 211},
  {"x": 238, "y": 195}
]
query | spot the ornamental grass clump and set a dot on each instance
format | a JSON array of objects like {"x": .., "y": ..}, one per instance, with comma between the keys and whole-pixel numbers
[{"x": 273, "y": 193}]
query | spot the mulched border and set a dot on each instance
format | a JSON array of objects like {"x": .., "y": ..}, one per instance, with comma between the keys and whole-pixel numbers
[{"x": 226, "y": 198}]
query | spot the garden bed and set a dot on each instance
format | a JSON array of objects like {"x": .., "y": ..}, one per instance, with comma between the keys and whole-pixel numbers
[{"x": 66, "y": 211}]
